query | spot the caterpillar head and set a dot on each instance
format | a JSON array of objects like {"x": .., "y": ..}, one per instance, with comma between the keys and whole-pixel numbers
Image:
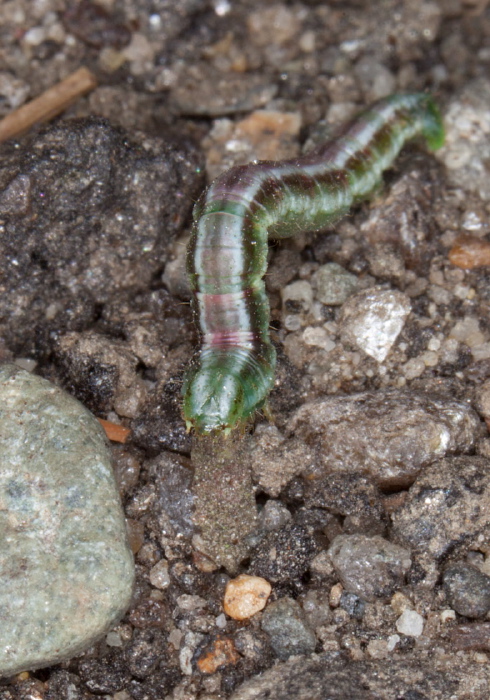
[{"x": 213, "y": 401}]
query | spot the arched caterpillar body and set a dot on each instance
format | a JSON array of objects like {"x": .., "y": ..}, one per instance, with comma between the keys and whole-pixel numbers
[{"x": 233, "y": 371}]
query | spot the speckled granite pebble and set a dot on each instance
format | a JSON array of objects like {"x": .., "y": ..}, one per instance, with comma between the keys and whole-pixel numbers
[{"x": 66, "y": 572}]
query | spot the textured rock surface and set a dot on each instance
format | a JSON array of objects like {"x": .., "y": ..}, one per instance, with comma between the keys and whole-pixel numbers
[
  {"x": 66, "y": 572},
  {"x": 283, "y": 555},
  {"x": 447, "y": 507},
  {"x": 87, "y": 212},
  {"x": 467, "y": 148},
  {"x": 370, "y": 567},
  {"x": 391, "y": 435},
  {"x": 330, "y": 676},
  {"x": 467, "y": 590}
]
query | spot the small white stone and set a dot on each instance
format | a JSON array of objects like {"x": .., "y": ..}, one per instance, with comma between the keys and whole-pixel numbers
[
  {"x": 462, "y": 291},
  {"x": 159, "y": 576},
  {"x": 481, "y": 352},
  {"x": 410, "y": 623},
  {"x": 26, "y": 363},
  {"x": 430, "y": 359},
  {"x": 121, "y": 695},
  {"x": 467, "y": 331},
  {"x": 447, "y": 616},
  {"x": 139, "y": 49},
  {"x": 35, "y": 36},
  {"x": 221, "y": 621},
  {"x": 414, "y": 368},
  {"x": 175, "y": 638},
  {"x": 113, "y": 639},
  {"x": 298, "y": 293},
  {"x": 392, "y": 641},
  {"x": 373, "y": 319},
  {"x": 434, "y": 344},
  {"x": 307, "y": 42},
  {"x": 317, "y": 336},
  {"x": 292, "y": 322}
]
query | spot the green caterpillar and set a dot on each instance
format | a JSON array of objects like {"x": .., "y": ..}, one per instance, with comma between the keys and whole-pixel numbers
[{"x": 233, "y": 371}]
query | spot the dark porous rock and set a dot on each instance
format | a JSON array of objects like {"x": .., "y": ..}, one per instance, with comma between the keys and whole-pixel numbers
[
  {"x": 87, "y": 212},
  {"x": 391, "y": 435},
  {"x": 106, "y": 675},
  {"x": 352, "y": 495},
  {"x": 370, "y": 567},
  {"x": 288, "y": 629},
  {"x": 152, "y": 323},
  {"x": 158, "y": 685},
  {"x": 26, "y": 689},
  {"x": 255, "y": 648},
  {"x": 160, "y": 425},
  {"x": 467, "y": 590},
  {"x": 288, "y": 391},
  {"x": 352, "y": 604},
  {"x": 149, "y": 613},
  {"x": 331, "y": 676},
  {"x": 283, "y": 556},
  {"x": 63, "y": 684},
  {"x": 95, "y": 369},
  {"x": 283, "y": 268},
  {"x": 145, "y": 651},
  {"x": 173, "y": 478},
  {"x": 447, "y": 507},
  {"x": 91, "y": 23}
]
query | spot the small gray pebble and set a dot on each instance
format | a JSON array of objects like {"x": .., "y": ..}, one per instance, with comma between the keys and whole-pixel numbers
[
  {"x": 286, "y": 624},
  {"x": 369, "y": 567},
  {"x": 467, "y": 590},
  {"x": 274, "y": 516},
  {"x": 334, "y": 284}
]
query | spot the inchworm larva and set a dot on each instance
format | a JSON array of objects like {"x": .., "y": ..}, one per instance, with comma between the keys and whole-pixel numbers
[{"x": 233, "y": 371}]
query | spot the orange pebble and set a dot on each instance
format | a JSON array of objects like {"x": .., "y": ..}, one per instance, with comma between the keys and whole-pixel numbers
[
  {"x": 221, "y": 652},
  {"x": 115, "y": 432},
  {"x": 469, "y": 252}
]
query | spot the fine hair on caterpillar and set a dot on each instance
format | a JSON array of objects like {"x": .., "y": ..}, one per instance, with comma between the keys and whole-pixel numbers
[{"x": 232, "y": 372}]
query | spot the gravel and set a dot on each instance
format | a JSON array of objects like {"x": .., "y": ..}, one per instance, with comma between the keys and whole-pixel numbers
[{"x": 370, "y": 439}]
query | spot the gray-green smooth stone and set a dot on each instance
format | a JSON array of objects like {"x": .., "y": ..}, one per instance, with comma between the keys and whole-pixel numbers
[{"x": 66, "y": 571}]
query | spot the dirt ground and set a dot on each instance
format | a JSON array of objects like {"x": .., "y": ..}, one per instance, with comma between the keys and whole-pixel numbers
[{"x": 366, "y": 502}]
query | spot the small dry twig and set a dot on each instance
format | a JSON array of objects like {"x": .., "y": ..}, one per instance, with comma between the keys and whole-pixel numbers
[{"x": 48, "y": 105}]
